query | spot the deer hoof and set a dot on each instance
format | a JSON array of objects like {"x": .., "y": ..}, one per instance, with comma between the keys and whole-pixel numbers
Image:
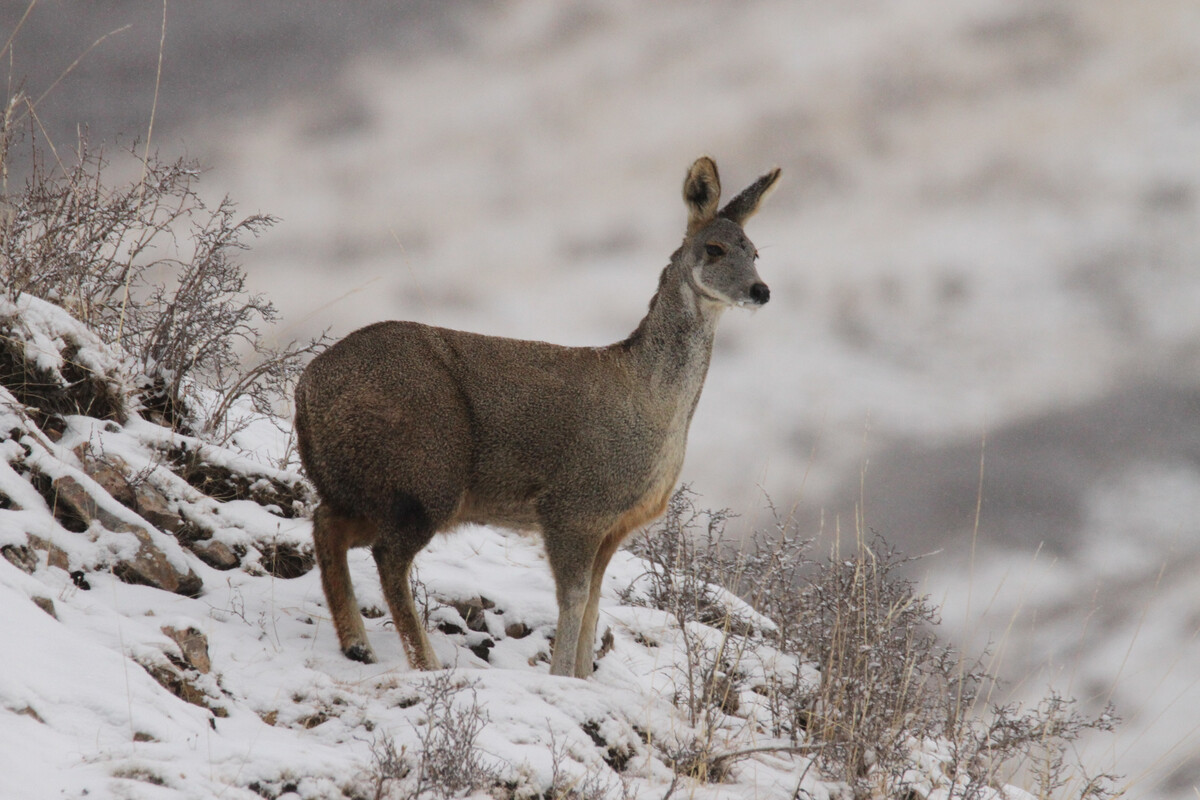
[{"x": 360, "y": 652}]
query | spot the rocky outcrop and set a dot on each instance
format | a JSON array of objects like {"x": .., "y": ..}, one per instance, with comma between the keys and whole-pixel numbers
[{"x": 148, "y": 564}]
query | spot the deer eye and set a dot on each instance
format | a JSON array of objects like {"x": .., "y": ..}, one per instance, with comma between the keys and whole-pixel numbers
[{"x": 714, "y": 250}]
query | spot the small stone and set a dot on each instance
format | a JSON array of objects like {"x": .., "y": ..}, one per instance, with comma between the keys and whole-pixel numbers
[
  {"x": 194, "y": 646},
  {"x": 483, "y": 648},
  {"x": 472, "y": 612},
  {"x": 55, "y": 555},
  {"x": 153, "y": 506},
  {"x": 607, "y": 642},
  {"x": 22, "y": 557},
  {"x": 71, "y": 497},
  {"x": 45, "y": 604},
  {"x": 150, "y": 567},
  {"x": 182, "y": 686},
  {"x": 517, "y": 630}
]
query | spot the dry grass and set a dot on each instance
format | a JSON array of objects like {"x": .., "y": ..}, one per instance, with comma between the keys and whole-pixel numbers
[{"x": 888, "y": 688}]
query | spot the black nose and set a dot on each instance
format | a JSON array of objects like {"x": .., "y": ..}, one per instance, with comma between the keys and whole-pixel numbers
[{"x": 760, "y": 293}]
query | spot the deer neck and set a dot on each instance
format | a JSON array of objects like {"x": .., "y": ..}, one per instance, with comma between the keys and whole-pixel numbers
[{"x": 672, "y": 346}]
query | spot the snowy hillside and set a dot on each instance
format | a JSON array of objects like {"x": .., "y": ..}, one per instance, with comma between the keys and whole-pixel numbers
[
  {"x": 165, "y": 636},
  {"x": 982, "y": 259}
]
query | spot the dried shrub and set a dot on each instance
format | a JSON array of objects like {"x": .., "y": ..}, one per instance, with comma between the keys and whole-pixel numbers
[
  {"x": 150, "y": 266},
  {"x": 447, "y": 762},
  {"x": 593, "y": 784},
  {"x": 879, "y": 685},
  {"x": 688, "y": 566},
  {"x": 885, "y": 678},
  {"x": 285, "y": 560},
  {"x": 53, "y": 393},
  {"x": 450, "y": 762}
]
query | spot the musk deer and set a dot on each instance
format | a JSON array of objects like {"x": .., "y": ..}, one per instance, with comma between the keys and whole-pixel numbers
[{"x": 407, "y": 430}]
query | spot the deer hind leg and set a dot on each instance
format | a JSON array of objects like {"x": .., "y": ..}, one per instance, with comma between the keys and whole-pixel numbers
[
  {"x": 333, "y": 535},
  {"x": 409, "y": 530}
]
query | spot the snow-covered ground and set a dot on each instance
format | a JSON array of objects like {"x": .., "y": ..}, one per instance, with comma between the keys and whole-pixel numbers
[
  {"x": 985, "y": 244},
  {"x": 116, "y": 682}
]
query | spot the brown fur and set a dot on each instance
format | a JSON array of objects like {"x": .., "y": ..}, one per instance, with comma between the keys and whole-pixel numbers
[{"x": 407, "y": 430}]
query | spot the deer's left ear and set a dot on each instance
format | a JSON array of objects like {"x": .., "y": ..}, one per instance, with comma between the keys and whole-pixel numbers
[
  {"x": 746, "y": 204},
  {"x": 701, "y": 193}
]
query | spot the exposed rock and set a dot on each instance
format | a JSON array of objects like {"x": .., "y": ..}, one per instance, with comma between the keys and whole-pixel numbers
[
  {"x": 140, "y": 496},
  {"x": 109, "y": 471},
  {"x": 482, "y": 647},
  {"x": 68, "y": 497},
  {"x": 55, "y": 555},
  {"x": 607, "y": 643},
  {"x": 194, "y": 646},
  {"x": 22, "y": 557},
  {"x": 45, "y": 604},
  {"x": 224, "y": 484},
  {"x": 217, "y": 555},
  {"x": 472, "y": 612},
  {"x": 180, "y": 683},
  {"x": 449, "y": 628},
  {"x": 65, "y": 510},
  {"x": 517, "y": 630},
  {"x": 154, "y": 507},
  {"x": 149, "y": 566}
]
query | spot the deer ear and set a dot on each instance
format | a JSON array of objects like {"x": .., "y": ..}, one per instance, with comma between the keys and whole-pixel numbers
[
  {"x": 701, "y": 193},
  {"x": 742, "y": 207}
]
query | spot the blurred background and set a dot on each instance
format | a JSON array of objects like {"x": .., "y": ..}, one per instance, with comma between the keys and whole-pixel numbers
[{"x": 984, "y": 256}]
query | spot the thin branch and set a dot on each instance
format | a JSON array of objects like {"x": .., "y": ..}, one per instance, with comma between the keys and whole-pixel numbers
[{"x": 723, "y": 758}]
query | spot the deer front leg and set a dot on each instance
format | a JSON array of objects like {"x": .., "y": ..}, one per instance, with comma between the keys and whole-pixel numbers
[
  {"x": 571, "y": 559},
  {"x": 572, "y": 601},
  {"x": 591, "y": 615}
]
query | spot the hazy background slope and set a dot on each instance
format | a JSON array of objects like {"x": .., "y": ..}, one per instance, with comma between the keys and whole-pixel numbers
[{"x": 985, "y": 248}]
